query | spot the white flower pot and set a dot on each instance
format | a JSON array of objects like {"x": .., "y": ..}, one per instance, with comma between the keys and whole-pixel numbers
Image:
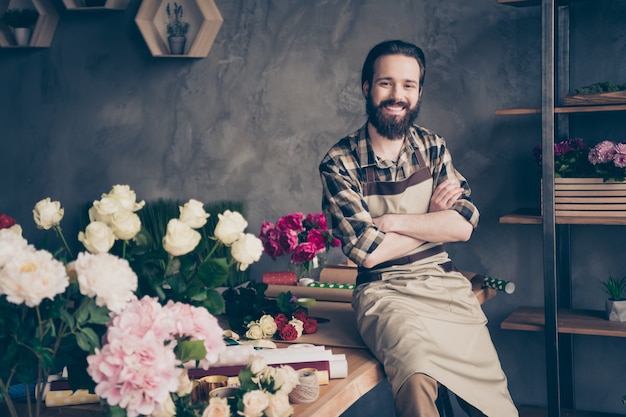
[
  {"x": 616, "y": 310},
  {"x": 22, "y": 36}
]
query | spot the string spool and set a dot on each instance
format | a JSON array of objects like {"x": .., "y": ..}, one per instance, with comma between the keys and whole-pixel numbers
[{"x": 308, "y": 388}]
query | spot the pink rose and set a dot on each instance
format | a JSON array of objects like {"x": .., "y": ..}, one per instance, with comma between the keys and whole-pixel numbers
[
  {"x": 273, "y": 248},
  {"x": 318, "y": 239},
  {"x": 300, "y": 315},
  {"x": 304, "y": 252},
  {"x": 292, "y": 222},
  {"x": 281, "y": 320},
  {"x": 288, "y": 241}
]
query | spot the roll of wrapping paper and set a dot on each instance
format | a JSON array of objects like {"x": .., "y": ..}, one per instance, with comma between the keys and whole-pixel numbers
[
  {"x": 331, "y": 285},
  {"x": 319, "y": 294},
  {"x": 499, "y": 284}
]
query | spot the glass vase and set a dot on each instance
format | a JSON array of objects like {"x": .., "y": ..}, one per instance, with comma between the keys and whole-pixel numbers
[{"x": 311, "y": 269}]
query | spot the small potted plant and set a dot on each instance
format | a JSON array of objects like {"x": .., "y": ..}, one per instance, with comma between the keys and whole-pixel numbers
[
  {"x": 615, "y": 304},
  {"x": 176, "y": 29},
  {"x": 22, "y": 22}
]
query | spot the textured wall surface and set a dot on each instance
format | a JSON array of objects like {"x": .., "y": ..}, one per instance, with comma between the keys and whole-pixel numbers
[{"x": 280, "y": 85}]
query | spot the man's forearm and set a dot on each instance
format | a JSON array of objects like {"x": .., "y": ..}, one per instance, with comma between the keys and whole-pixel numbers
[
  {"x": 393, "y": 246},
  {"x": 441, "y": 226}
]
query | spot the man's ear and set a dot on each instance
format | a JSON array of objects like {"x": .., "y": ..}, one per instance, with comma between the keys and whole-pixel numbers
[{"x": 365, "y": 88}]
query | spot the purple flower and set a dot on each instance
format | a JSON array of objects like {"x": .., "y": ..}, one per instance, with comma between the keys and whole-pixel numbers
[
  {"x": 619, "y": 159},
  {"x": 602, "y": 153}
]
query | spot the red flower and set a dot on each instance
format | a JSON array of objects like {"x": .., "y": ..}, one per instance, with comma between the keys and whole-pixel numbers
[
  {"x": 316, "y": 221},
  {"x": 288, "y": 332},
  {"x": 281, "y": 320},
  {"x": 309, "y": 326},
  {"x": 318, "y": 238},
  {"x": 6, "y": 221},
  {"x": 300, "y": 315},
  {"x": 304, "y": 252},
  {"x": 291, "y": 221}
]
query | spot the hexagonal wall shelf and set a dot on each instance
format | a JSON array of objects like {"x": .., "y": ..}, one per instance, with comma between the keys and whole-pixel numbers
[
  {"x": 204, "y": 20},
  {"x": 44, "y": 29},
  {"x": 95, "y": 5}
]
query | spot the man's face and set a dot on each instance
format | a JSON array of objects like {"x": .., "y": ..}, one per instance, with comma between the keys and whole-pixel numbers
[{"x": 393, "y": 98}]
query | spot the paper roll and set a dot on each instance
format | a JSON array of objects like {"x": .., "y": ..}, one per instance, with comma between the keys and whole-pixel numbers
[
  {"x": 339, "y": 274},
  {"x": 338, "y": 366},
  {"x": 499, "y": 284},
  {"x": 320, "y": 294}
]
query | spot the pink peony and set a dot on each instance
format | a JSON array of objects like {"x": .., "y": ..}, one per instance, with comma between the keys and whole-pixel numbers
[
  {"x": 602, "y": 153},
  {"x": 619, "y": 159},
  {"x": 292, "y": 222},
  {"x": 318, "y": 238},
  {"x": 304, "y": 252}
]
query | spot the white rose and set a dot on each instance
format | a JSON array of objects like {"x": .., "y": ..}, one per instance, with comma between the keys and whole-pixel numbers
[
  {"x": 278, "y": 406},
  {"x": 125, "y": 225},
  {"x": 268, "y": 325},
  {"x": 256, "y": 364},
  {"x": 103, "y": 210},
  {"x": 16, "y": 228},
  {"x": 230, "y": 226},
  {"x": 106, "y": 277},
  {"x": 218, "y": 407},
  {"x": 185, "y": 385},
  {"x": 247, "y": 250},
  {"x": 180, "y": 239},
  {"x": 125, "y": 197},
  {"x": 254, "y": 331},
  {"x": 254, "y": 403},
  {"x": 286, "y": 378},
  {"x": 193, "y": 214},
  {"x": 97, "y": 238},
  {"x": 47, "y": 213},
  {"x": 167, "y": 409},
  {"x": 299, "y": 326}
]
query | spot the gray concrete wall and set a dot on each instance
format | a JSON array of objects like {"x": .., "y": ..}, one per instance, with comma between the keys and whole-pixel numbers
[{"x": 280, "y": 85}]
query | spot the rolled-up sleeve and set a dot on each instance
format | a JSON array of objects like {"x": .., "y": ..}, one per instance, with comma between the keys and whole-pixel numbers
[{"x": 346, "y": 211}]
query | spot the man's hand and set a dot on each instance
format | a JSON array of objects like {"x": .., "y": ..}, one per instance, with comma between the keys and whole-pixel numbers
[{"x": 445, "y": 195}]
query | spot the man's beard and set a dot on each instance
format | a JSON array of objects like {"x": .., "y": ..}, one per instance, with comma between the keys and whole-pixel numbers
[{"x": 391, "y": 127}]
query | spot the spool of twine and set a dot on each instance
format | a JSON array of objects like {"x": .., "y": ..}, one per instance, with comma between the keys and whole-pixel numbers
[{"x": 308, "y": 388}]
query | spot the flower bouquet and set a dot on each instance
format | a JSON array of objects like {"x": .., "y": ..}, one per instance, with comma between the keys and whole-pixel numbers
[
  {"x": 609, "y": 160},
  {"x": 263, "y": 391},
  {"x": 302, "y": 237},
  {"x": 55, "y": 308}
]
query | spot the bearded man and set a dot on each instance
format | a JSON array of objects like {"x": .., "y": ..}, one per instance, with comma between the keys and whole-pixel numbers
[{"x": 393, "y": 197}]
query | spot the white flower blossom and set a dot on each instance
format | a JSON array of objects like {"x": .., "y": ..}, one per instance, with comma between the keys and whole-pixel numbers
[
  {"x": 47, "y": 214},
  {"x": 246, "y": 250},
  {"x": 180, "y": 239},
  {"x": 230, "y": 226},
  {"x": 192, "y": 213},
  {"x": 97, "y": 237}
]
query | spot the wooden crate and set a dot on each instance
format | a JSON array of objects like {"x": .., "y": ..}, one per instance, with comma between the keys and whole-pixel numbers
[{"x": 591, "y": 197}]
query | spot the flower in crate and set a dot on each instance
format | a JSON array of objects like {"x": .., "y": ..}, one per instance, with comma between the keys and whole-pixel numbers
[
  {"x": 609, "y": 160},
  {"x": 140, "y": 367},
  {"x": 301, "y": 237},
  {"x": 570, "y": 158}
]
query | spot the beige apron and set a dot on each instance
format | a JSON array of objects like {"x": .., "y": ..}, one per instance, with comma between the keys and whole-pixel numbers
[{"x": 423, "y": 317}]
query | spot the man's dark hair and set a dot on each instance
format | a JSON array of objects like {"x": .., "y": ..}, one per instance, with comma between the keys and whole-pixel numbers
[{"x": 394, "y": 47}]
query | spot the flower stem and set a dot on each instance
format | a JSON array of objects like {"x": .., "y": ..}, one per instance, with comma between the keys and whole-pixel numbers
[{"x": 57, "y": 229}]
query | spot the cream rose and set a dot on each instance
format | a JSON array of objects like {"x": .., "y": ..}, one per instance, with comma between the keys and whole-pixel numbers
[
  {"x": 268, "y": 325},
  {"x": 125, "y": 225},
  {"x": 97, "y": 237},
  {"x": 278, "y": 406},
  {"x": 185, "y": 385},
  {"x": 299, "y": 326},
  {"x": 254, "y": 403},
  {"x": 192, "y": 213},
  {"x": 256, "y": 364},
  {"x": 167, "y": 409},
  {"x": 47, "y": 214},
  {"x": 218, "y": 407},
  {"x": 254, "y": 331},
  {"x": 103, "y": 210},
  {"x": 285, "y": 378},
  {"x": 230, "y": 226},
  {"x": 125, "y": 197},
  {"x": 180, "y": 239},
  {"x": 246, "y": 250}
]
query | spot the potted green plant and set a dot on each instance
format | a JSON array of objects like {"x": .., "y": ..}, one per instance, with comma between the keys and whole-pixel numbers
[
  {"x": 22, "y": 22},
  {"x": 176, "y": 28},
  {"x": 615, "y": 304}
]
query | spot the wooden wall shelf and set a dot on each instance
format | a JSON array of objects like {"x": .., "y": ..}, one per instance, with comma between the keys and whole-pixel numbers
[
  {"x": 44, "y": 29},
  {"x": 83, "y": 5},
  {"x": 586, "y": 322},
  {"x": 527, "y": 3},
  {"x": 533, "y": 216},
  {"x": 204, "y": 20},
  {"x": 566, "y": 109}
]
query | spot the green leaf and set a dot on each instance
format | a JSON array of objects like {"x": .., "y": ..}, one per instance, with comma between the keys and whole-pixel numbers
[
  {"x": 214, "y": 302},
  {"x": 214, "y": 272},
  {"x": 116, "y": 411},
  {"x": 188, "y": 350}
]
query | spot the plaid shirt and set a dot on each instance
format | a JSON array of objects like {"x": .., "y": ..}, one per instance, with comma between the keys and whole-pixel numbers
[{"x": 342, "y": 182}]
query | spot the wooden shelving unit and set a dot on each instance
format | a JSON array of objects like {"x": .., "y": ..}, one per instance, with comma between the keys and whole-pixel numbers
[
  {"x": 527, "y": 3},
  {"x": 563, "y": 110},
  {"x": 44, "y": 29},
  {"x": 531, "y": 411},
  {"x": 204, "y": 20},
  {"x": 533, "y": 216},
  {"x": 587, "y": 322},
  {"x": 108, "y": 5}
]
